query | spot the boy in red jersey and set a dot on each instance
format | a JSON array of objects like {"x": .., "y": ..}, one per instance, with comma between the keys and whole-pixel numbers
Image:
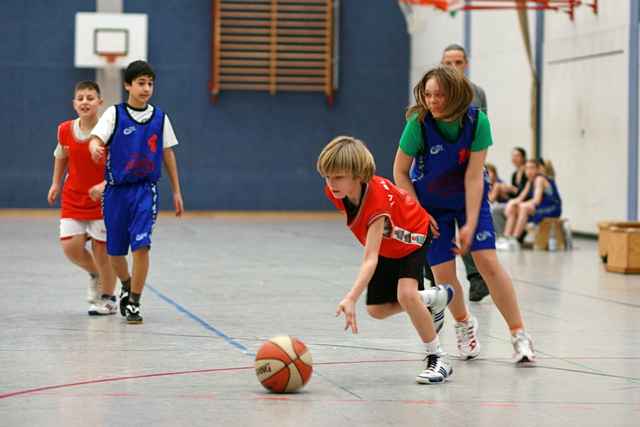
[
  {"x": 395, "y": 232},
  {"x": 81, "y": 213}
]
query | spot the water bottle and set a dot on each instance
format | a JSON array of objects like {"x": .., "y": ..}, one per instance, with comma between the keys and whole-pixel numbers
[
  {"x": 568, "y": 234},
  {"x": 553, "y": 243}
]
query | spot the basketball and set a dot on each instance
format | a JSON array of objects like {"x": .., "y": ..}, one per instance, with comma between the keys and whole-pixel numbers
[{"x": 283, "y": 364}]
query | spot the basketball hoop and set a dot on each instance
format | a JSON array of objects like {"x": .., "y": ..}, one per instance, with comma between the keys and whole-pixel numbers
[
  {"x": 110, "y": 58},
  {"x": 415, "y": 21}
]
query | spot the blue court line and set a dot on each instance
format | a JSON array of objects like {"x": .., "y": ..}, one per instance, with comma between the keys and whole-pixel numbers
[{"x": 199, "y": 320}]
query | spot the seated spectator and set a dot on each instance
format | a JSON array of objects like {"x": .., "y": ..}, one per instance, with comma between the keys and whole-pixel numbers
[
  {"x": 540, "y": 199},
  {"x": 499, "y": 191},
  {"x": 518, "y": 182}
]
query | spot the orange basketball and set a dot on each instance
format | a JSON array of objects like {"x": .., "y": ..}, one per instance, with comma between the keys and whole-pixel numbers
[{"x": 283, "y": 364}]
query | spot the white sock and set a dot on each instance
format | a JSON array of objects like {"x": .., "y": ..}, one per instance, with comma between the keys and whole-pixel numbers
[{"x": 433, "y": 347}]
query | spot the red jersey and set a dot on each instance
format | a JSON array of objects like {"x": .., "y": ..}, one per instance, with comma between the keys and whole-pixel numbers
[
  {"x": 82, "y": 174},
  {"x": 406, "y": 222}
]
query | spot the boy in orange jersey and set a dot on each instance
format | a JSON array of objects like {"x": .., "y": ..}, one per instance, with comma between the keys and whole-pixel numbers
[
  {"x": 81, "y": 213},
  {"x": 395, "y": 232}
]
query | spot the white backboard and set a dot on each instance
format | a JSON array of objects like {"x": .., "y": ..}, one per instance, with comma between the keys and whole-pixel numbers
[{"x": 124, "y": 34}]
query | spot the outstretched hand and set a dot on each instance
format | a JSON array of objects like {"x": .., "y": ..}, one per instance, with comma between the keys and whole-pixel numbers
[{"x": 348, "y": 307}]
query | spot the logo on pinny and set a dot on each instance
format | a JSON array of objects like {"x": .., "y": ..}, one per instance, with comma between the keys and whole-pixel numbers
[{"x": 152, "y": 142}]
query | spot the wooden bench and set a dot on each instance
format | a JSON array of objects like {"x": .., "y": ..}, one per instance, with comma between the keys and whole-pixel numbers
[{"x": 546, "y": 228}]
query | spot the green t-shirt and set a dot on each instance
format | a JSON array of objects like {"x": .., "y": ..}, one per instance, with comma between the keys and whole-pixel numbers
[{"x": 411, "y": 141}]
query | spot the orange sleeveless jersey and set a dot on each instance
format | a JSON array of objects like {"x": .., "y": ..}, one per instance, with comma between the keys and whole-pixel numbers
[
  {"x": 82, "y": 174},
  {"x": 407, "y": 221}
]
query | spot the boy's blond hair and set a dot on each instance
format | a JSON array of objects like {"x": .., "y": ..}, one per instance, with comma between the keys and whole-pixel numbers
[
  {"x": 457, "y": 91},
  {"x": 348, "y": 155}
]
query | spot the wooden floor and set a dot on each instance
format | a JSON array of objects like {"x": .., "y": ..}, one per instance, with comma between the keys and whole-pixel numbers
[{"x": 222, "y": 283}]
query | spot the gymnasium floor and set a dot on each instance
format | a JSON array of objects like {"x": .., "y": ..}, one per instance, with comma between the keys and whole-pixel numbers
[{"x": 220, "y": 285}]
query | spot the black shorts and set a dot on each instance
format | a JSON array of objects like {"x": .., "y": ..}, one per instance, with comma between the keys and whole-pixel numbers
[{"x": 383, "y": 287}]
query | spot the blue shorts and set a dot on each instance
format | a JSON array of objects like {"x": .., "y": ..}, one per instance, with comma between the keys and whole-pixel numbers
[
  {"x": 441, "y": 248},
  {"x": 551, "y": 211},
  {"x": 129, "y": 214}
]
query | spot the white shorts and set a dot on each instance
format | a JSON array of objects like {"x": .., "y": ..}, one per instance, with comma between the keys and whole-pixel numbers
[{"x": 73, "y": 227}]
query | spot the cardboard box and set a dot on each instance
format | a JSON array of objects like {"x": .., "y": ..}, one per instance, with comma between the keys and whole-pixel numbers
[
  {"x": 623, "y": 248},
  {"x": 605, "y": 234}
]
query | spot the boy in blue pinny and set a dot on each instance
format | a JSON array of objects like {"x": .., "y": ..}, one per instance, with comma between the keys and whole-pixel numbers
[{"x": 137, "y": 138}]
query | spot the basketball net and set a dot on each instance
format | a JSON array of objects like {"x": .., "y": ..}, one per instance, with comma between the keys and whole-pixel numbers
[
  {"x": 110, "y": 58},
  {"x": 414, "y": 23},
  {"x": 413, "y": 11}
]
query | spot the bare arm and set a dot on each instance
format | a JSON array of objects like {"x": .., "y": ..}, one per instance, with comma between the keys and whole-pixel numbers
[
  {"x": 367, "y": 269},
  {"x": 473, "y": 184},
  {"x": 59, "y": 168},
  {"x": 538, "y": 189},
  {"x": 494, "y": 191},
  {"x": 523, "y": 194},
  {"x": 401, "y": 166},
  {"x": 96, "y": 148},
  {"x": 171, "y": 165}
]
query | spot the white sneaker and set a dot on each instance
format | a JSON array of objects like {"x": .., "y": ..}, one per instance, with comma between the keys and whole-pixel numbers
[
  {"x": 105, "y": 306},
  {"x": 437, "y": 370},
  {"x": 437, "y": 298},
  {"x": 522, "y": 348},
  {"x": 514, "y": 245},
  {"x": 502, "y": 244},
  {"x": 466, "y": 335},
  {"x": 93, "y": 290}
]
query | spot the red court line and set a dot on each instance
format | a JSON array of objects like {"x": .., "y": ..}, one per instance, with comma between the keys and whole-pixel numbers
[
  {"x": 114, "y": 379},
  {"x": 167, "y": 374}
]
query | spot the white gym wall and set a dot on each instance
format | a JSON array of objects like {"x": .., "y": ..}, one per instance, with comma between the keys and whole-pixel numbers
[{"x": 584, "y": 96}]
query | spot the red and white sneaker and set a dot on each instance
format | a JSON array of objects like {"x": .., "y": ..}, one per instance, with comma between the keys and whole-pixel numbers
[
  {"x": 105, "y": 306},
  {"x": 466, "y": 335}
]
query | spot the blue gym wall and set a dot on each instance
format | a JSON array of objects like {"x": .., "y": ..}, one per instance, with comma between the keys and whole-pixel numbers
[{"x": 251, "y": 150}]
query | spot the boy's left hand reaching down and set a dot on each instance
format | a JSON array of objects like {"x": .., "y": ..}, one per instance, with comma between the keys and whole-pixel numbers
[{"x": 348, "y": 307}]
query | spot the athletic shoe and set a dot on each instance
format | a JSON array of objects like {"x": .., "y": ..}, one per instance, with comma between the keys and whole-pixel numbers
[
  {"x": 133, "y": 313},
  {"x": 106, "y": 306},
  {"x": 502, "y": 244},
  {"x": 477, "y": 290},
  {"x": 437, "y": 370},
  {"x": 93, "y": 289},
  {"x": 466, "y": 335},
  {"x": 522, "y": 348},
  {"x": 124, "y": 300},
  {"x": 437, "y": 298}
]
